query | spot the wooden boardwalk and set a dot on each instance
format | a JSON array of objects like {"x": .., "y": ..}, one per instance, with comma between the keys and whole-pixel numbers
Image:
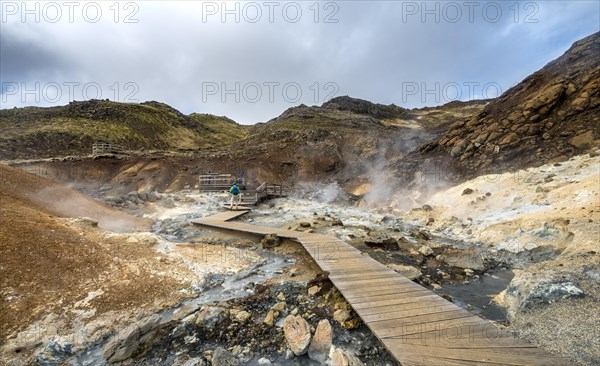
[{"x": 417, "y": 326}]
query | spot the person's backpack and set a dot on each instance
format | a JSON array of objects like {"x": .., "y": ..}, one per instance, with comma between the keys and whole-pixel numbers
[{"x": 235, "y": 190}]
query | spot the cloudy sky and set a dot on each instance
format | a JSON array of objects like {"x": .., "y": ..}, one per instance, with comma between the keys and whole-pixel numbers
[{"x": 252, "y": 60}]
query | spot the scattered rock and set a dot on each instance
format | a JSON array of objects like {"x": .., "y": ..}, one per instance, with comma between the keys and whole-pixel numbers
[
  {"x": 86, "y": 221},
  {"x": 124, "y": 344},
  {"x": 54, "y": 354},
  {"x": 343, "y": 317},
  {"x": 422, "y": 235},
  {"x": 313, "y": 290},
  {"x": 321, "y": 342},
  {"x": 185, "y": 310},
  {"x": 297, "y": 334},
  {"x": 222, "y": 357},
  {"x": 209, "y": 316},
  {"x": 466, "y": 259},
  {"x": 427, "y": 208},
  {"x": 340, "y": 357},
  {"x": 583, "y": 141},
  {"x": 270, "y": 318},
  {"x": 389, "y": 244},
  {"x": 270, "y": 241},
  {"x": 425, "y": 250},
  {"x": 467, "y": 191},
  {"x": 242, "y": 316},
  {"x": 280, "y": 306},
  {"x": 305, "y": 224},
  {"x": 196, "y": 361},
  {"x": 408, "y": 271},
  {"x": 337, "y": 222},
  {"x": 322, "y": 281}
]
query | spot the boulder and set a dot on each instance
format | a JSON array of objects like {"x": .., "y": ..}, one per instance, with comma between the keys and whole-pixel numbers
[
  {"x": 465, "y": 259},
  {"x": 529, "y": 290},
  {"x": 321, "y": 342},
  {"x": 297, "y": 334}
]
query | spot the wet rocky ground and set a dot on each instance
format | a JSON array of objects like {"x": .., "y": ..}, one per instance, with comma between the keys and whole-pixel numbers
[
  {"x": 251, "y": 327},
  {"x": 255, "y": 330}
]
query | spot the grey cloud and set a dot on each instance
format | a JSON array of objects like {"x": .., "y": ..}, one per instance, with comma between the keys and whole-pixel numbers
[{"x": 369, "y": 53}]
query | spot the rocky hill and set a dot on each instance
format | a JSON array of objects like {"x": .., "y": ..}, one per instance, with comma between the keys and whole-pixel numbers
[
  {"x": 345, "y": 137},
  {"x": 44, "y": 132},
  {"x": 551, "y": 115}
]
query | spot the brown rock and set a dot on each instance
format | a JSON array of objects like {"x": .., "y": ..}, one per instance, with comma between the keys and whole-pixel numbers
[
  {"x": 321, "y": 342},
  {"x": 509, "y": 139},
  {"x": 339, "y": 357},
  {"x": 269, "y": 318},
  {"x": 467, "y": 191},
  {"x": 408, "y": 271},
  {"x": 583, "y": 141},
  {"x": 341, "y": 315},
  {"x": 297, "y": 334},
  {"x": 270, "y": 241}
]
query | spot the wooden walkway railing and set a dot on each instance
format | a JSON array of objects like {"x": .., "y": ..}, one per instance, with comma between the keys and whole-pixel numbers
[{"x": 417, "y": 326}]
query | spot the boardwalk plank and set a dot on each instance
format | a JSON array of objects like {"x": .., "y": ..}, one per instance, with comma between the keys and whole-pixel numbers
[{"x": 417, "y": 326}]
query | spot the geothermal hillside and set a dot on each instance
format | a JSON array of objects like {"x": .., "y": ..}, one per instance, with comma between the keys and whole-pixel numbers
[{"x": 101, "y": 262}]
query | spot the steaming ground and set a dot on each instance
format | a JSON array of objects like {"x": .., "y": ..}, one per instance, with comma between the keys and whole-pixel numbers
[
  {"x": 61, "y": 275},
  {"x": 68, "y": 282},
  {"x": 545, "y": 223},
  {"x": 69, "y": 285}
]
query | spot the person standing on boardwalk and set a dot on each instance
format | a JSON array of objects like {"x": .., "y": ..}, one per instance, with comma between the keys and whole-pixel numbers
[{"x": 235, "y": 195}]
